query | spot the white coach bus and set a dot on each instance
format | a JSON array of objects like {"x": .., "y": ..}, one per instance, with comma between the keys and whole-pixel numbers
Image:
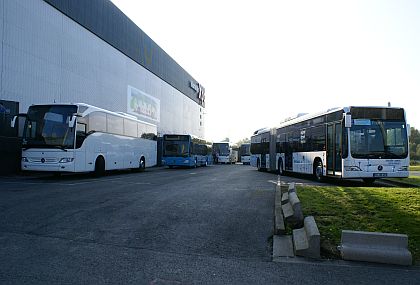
[
  {"x": 83, "y": 138},
  {"x": 351, "y": 142}
]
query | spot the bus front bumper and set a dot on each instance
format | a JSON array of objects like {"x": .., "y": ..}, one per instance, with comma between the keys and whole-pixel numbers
[{"x": 52, "y": 167}]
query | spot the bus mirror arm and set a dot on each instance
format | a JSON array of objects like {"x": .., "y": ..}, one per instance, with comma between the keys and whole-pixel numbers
[
  {"x": 347, "y": 120},
  {"x": 72, "y": 121},
  {"x": 13, "y": 122}
]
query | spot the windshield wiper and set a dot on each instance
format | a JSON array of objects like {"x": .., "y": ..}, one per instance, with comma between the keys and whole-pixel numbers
[
  {"x": 58, "y": 146},
  {"x": 27, "y": 146},
  {"x": 393, "y": 155}
]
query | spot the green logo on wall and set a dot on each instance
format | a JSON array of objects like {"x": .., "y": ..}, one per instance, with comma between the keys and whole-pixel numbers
[{"x": 142, "y": 105}]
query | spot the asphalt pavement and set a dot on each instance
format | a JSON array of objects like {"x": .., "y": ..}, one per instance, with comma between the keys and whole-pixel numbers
[{"x": 209, "y": 225}]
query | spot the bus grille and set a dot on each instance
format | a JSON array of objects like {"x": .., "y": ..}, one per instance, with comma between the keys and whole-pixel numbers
[{"x": 43, "y": 160}]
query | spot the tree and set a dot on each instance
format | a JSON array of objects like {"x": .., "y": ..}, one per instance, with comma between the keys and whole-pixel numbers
[
  {"x": 242, "y": 141},
  {"x": 414, "y": 144}
]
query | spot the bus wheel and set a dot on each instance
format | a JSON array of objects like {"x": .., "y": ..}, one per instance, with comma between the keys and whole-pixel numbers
[
  {"x": 142, "y": 165},
  {"x": 318, "y": 170},
  {"x": 99, "y": 166},
  {"x": 369, "y": 181},
  {"x": 281, "y": 167}
]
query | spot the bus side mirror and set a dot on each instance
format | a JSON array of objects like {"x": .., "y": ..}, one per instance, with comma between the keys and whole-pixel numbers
[
  {"x": 13, "y": 122},
  {"x": 408, "y": 130},
  {"x": 72, "y": 121},
  {"x": 347, "y": 120}
]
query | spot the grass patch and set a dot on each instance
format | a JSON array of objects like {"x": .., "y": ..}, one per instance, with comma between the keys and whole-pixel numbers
[
  {"x": 414, "y": 167},
  {"x": 412, "y": 180},
  {"x": 375, "y": 209}
]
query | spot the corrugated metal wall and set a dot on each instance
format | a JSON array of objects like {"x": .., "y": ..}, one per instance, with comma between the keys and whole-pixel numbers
[
  {"x": 104, "y": 19},
  {"x": 48, "y": 57}
]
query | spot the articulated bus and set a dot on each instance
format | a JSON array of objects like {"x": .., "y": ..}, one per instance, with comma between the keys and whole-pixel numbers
[
  {"x": 221, "y": 153},
  {"x": 352, "y": 142},
  {"x": 83, "y": 138},
  {"x": 245, "y": 153},
  {"x": 182, "y": 150}
]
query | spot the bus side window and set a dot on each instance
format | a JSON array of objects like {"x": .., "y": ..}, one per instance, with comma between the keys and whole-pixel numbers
[
  {"x": 80, "y": 134},
  {"x": 345, "y": 153}
]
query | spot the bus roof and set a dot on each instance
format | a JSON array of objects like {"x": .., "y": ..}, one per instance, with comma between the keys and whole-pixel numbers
[
  {"x": 89, "y": 109},
  {"x": 305, "y": 117}
]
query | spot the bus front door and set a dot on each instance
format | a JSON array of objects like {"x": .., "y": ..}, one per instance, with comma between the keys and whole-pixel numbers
[{"x": 334, "y": 149}]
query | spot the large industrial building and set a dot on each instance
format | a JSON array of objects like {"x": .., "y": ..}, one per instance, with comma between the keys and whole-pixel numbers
[{"x": 69, "y": 51}]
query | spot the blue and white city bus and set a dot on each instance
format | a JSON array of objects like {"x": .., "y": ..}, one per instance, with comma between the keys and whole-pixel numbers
[
  {"x": 83, "y": 138},
  {"x": 351, "y": 142},
  {"x": 183, "y": 150}
]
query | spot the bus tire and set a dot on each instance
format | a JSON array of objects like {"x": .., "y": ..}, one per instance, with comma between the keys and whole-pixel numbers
[
  {"x": 369, "y": 181},
  {"x": 99, "y": 166},
  {"x": 280, "y": 165},
  {"x": 317, "y": 170},
  {"x": 142, "y": 164}
]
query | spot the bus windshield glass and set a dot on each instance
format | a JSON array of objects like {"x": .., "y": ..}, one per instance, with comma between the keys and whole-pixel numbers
[
  {"x": 378, "y": 139},
  {"x": 176, "y": 145},
  {"x": 221, "y": 148},
  {"x": 47, "y": 126}
]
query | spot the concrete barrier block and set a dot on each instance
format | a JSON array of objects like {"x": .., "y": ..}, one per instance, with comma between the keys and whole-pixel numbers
[
  {"x": 292, "y": 211},
  {"x": 375, "y": 247},
  {"x": 285, "y": 198},
  {"x": 282, "y": 247},
  {"x": 306, "y": 240},
  {"x": 292, "y": 187}
]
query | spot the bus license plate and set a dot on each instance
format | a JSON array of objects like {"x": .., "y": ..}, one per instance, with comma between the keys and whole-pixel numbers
[{"x": 380, "y": 175}]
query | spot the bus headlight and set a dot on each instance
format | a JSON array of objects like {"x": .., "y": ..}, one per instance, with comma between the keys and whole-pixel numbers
[
  {"x": 24, "y": 159},
  {"x": 352, "y": 168},
  {"x": 66, "y": 160}
]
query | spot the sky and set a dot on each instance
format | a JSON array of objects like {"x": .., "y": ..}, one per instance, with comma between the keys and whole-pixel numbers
[{"x": 263, "y": 61}]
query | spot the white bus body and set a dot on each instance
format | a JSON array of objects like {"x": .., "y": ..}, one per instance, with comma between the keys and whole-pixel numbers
[
  {"x": 351, "y": 142},
  {"x": 222, "y": 153},
  {"x": 83, "y": 138}
]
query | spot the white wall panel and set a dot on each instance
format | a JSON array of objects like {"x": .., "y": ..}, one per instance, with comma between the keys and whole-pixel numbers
[{"x": 47, "y": 57}]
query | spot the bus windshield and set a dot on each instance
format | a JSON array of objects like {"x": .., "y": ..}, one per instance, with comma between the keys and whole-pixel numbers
[
  {"x": 221, "y": 148},
  {"x": 176, "y": 146},
  {"x": 47, "y": 126},
  {"x": 378, "y": 139},
  {"x": 245, "y": 149}
]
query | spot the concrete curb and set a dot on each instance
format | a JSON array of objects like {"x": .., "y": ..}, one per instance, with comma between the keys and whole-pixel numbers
[{"x": 282, "y": 247}]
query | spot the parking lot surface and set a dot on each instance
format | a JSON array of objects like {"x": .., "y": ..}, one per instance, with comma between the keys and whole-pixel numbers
[{"x": 164, "y": 226}]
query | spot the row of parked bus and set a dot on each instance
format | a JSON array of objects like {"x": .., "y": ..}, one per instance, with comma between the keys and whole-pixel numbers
[
  {"x": 83, "y": 138},
  {"x": 345, "y": 143}
]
